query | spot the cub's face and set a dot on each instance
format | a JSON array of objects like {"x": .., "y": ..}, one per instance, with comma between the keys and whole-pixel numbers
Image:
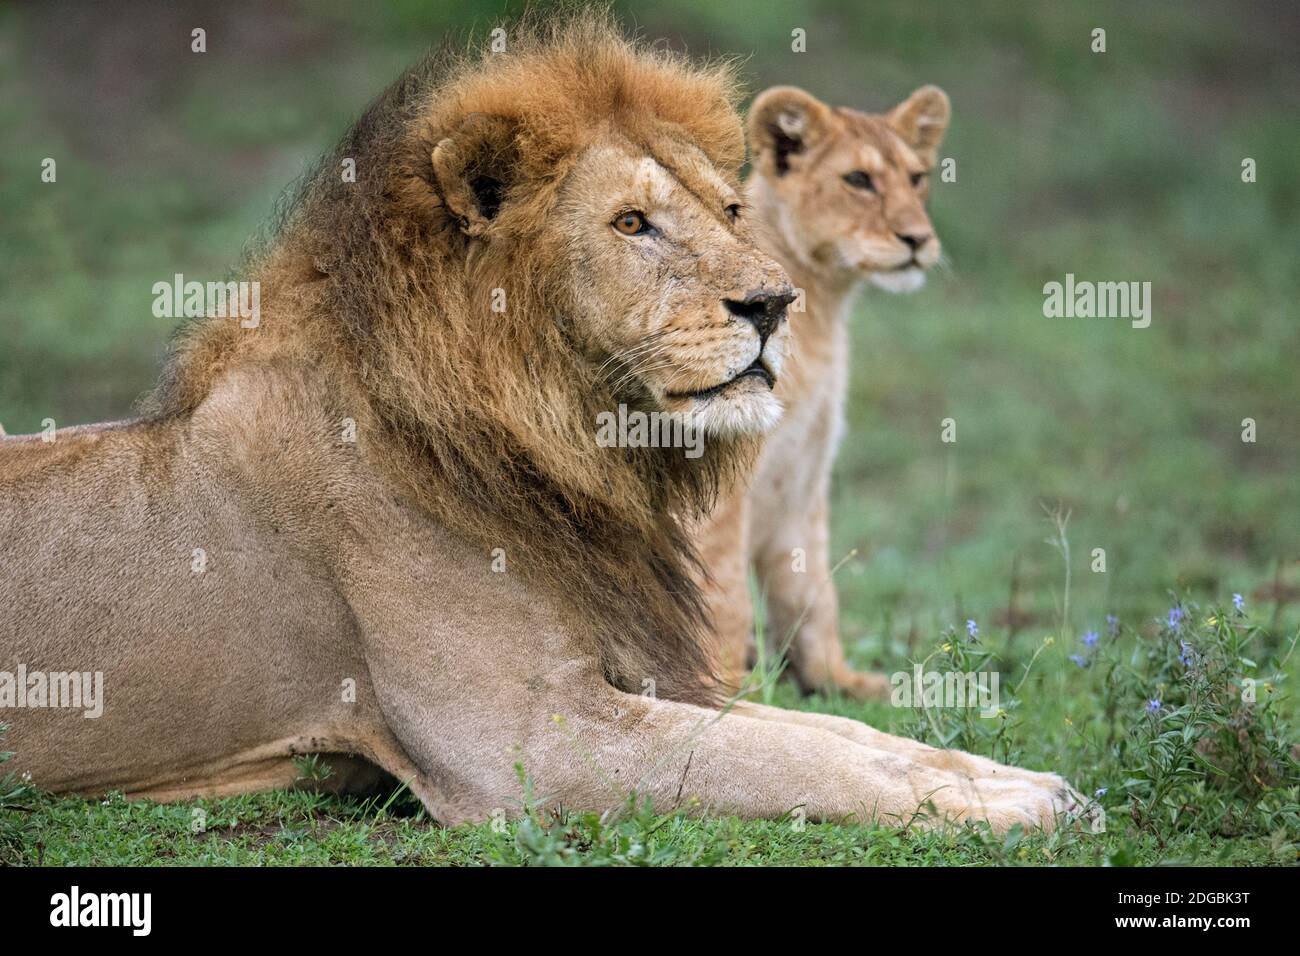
[
  {"x": 671, "y": 299},
  {"x": 846, "y": 191}
]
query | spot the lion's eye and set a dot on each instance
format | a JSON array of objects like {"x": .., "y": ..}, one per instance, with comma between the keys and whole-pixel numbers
[
  {"x": 860, "y": 180},
  {"x": 918, "y": 178},
  {"x": 733, "y": 211},
  {"x": 632, "y": 224}
]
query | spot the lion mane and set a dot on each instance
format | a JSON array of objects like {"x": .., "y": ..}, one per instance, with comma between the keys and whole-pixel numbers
[{"x": 487, "y": 418}]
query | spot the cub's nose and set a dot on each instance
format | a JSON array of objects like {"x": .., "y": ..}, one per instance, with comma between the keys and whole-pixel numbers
[
  {"x": 914, "y": 240},
  {"x": 764, "y": 309}
]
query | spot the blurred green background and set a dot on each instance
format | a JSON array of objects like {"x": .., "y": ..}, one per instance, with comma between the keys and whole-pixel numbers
[{"x": 1117, "y": 166}]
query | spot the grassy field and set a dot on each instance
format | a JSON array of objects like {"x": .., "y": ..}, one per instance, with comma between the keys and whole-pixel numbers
[{"x": 1123, "y": 165}]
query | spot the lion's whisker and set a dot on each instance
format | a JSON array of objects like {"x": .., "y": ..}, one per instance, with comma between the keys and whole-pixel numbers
[
  {"x": 650, "y": 342},
  {"x": 637, "y": 364},
  {"x": 637, "y": 372}
]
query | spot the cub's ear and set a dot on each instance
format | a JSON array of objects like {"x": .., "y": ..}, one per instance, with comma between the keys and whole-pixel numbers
[
  {"x": 473, "y": 169},
  {"x": 784, "y": 123},
  {"x": 921, "y": 120}
]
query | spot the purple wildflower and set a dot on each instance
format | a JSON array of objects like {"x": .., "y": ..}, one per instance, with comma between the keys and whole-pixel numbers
[
  {"x": 1079, "y": 659},
  {"x": 1153, "y": 706},
  {"x": 1239, "y": 603},
  {"x": 1090, "y": 639},
  {"x": 972, "y": 629},
  {"x": 1100, "y": 792},
  {"x": 1175, "y": 617},
  {"x": 1112, "y": 624}
]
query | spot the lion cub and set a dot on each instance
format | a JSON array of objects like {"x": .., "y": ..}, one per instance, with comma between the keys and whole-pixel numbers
[{"x": 839, "y": 197}]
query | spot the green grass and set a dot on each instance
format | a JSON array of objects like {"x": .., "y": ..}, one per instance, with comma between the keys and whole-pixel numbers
[
  {"x": 299, "y": 828},
  {"x": 1118, "y": 166}
]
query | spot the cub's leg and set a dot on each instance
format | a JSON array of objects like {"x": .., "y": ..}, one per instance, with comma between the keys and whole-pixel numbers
[
  {"x": 802, "y": 607},
  {"x": 723, "y": 543}
]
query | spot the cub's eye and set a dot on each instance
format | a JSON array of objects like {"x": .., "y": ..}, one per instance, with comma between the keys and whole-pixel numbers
[
  {"x": 918, "y": 178},
  {"x": 860, "y": 180},
  {"x": 733, "y": 211},
  {"x": 632, "y": 224}
]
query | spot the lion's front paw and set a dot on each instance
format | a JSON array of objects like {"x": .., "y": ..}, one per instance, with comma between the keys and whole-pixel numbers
[
  {"x": 1039, "y": 803},
  {"x": 981, "y": 768},
  {"x": 1075, "y": 807}
]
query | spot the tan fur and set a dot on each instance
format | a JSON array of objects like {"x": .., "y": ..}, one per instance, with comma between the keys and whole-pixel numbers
[
  {"x": 831, "y": 237},
  {"x": 333, "y": 564}
]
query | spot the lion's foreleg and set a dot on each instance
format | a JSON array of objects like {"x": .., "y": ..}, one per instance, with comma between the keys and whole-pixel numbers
[
  {"x": 956, "y": 761},
  {"x": 607, "y": 745}
]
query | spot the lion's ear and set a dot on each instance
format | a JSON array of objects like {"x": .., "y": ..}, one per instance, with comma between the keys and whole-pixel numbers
[
  {"x": 921, "y": 120},
  {"x": 473, "y": 168},
  {"x": 784, "y": 123}
]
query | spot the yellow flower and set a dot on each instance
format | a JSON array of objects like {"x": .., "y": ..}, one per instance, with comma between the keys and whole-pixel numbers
[
  {"x": 1069, "y": 722},
  {"x": 1211, "y": 621},
  {"x": 1049, "y": 641}
]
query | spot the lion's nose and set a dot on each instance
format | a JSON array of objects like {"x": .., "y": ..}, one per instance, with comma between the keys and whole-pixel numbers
[
  {"x": 764, "y": 309},
  {"x": 914, "y": 240}
]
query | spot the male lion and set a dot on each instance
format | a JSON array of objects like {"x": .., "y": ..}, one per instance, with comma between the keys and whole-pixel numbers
[
  {"x": 839, "y": 196},
  {"x": 378, "y": 524}
]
